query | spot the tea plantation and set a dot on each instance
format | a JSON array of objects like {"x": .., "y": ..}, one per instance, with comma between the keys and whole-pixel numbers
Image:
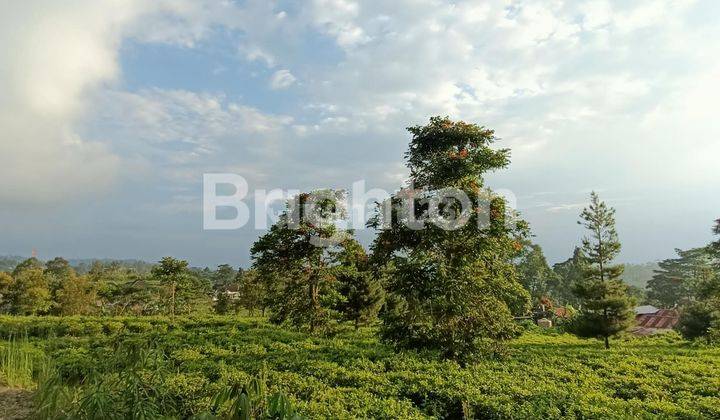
[{"x": 153, "y": 366}]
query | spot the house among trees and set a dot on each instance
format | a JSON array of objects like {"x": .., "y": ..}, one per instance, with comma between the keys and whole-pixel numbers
[{"x": 651, "y": 320}]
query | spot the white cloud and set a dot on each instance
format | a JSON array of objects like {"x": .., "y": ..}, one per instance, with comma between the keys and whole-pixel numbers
[
  {"x": 282, "y": 79},
  {"x": 56, "y": 59}
]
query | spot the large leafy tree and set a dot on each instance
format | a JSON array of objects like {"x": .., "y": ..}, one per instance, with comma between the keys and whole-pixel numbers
[
  {"x": 450, "y": 286},
  {"x": 362, "y": 293},
  {"x": 606, "y": 307},
  {"x": 677, "y": 280},
  {"x": 295, "y": 259}
]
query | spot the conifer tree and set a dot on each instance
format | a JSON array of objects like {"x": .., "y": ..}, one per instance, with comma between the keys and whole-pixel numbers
[
  {"x": 362, "y": 293},
  {"x": 606, "y": 307}
]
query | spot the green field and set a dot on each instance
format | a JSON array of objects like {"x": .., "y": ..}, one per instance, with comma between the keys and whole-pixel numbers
[{"x": 176, "y": 367}]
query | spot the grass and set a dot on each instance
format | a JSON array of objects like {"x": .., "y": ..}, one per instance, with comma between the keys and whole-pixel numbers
[{"x": 17, "y": 364}]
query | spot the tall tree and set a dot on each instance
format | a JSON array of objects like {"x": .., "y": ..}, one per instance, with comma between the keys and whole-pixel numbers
[
  {"x": 450, "y": 285},
  {"x": 607, "y": 309},
  {"x": 295, "y": 259},
  {"x": 362, "y": 293}
]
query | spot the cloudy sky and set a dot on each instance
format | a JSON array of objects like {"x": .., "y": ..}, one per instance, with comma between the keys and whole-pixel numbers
[{"x": 111, "y": 111}]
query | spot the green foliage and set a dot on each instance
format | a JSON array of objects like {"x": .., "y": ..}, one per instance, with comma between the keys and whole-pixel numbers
[
  {"x": 224, "y": 276},
  {"x": 28, "y": 264},
  {"x": 362, "y": 294},
  {"x": 177, "y": 368},
  {"x": 20, "y": 364},
  {"x": 535, "y": 274},
  {"x": 253, "y": 296},
  {"x": 449, "y": 290},
  {"x": 181, "y": 286},
  {"x": 607, "y": 310},
  {"x": 30, "y": 292},
  {"x": 700, "y": 319},
  {"x": 678, "y": 280},
  {"x": 569, "y": 273},
  {"x": 6, "y": 282},
  {"x": 76, "y": 296},
  {"x": 222, "y": 303},
  {"x": 295, "y": 260},
  {"x": 250, "y": 401}
]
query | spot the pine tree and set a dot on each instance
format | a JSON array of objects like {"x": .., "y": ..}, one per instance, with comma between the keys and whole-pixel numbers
[
  {"x": 362, "y": 293},
  {"x": 606, "y": 307}
]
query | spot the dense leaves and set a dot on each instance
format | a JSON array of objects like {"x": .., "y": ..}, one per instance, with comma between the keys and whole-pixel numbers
[
  {"x": 184, "y": 364},
  {"x": 606, "y": 307}
]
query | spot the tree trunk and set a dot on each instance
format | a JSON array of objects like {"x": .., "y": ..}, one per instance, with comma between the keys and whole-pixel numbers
[
  {"x": 607, "y": 342},
  {"x": 357, "y": 324}
]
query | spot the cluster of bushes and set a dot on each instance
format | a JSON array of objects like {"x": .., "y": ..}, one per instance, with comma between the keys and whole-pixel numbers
[{"x": 180, "y": 366}]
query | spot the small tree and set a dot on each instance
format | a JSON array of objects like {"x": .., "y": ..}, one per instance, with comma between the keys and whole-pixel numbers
[
  {"x": 222, "y": 304},
  {"x": 30, "y": 292},
  {"x": 223, "y": 277},
  {"x": 295, "y": 259},
  {"x": 173, "y": 274},
  {"x": 362, "y": 293},
  {"x": 76, "y": 296},
  {"x": 252, "y": 291},
  {"x": 6, "y": 282},
  {"x": 606, "y": 307}
]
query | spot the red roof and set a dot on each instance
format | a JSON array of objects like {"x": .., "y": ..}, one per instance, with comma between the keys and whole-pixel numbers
[{"x": 663, "y": 319}]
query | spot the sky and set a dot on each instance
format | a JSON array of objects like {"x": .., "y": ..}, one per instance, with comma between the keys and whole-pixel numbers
[{"x": 112, "y": 111}]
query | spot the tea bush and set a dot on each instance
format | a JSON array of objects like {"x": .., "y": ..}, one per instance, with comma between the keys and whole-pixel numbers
[{"x": 185, "y": 363}]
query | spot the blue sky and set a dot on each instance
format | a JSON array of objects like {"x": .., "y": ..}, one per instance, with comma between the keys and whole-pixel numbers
[{"x": 112, "y": 111}]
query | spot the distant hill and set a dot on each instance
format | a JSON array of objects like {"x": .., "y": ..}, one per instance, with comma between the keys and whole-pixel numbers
[{"x": 638, "y": 275}]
